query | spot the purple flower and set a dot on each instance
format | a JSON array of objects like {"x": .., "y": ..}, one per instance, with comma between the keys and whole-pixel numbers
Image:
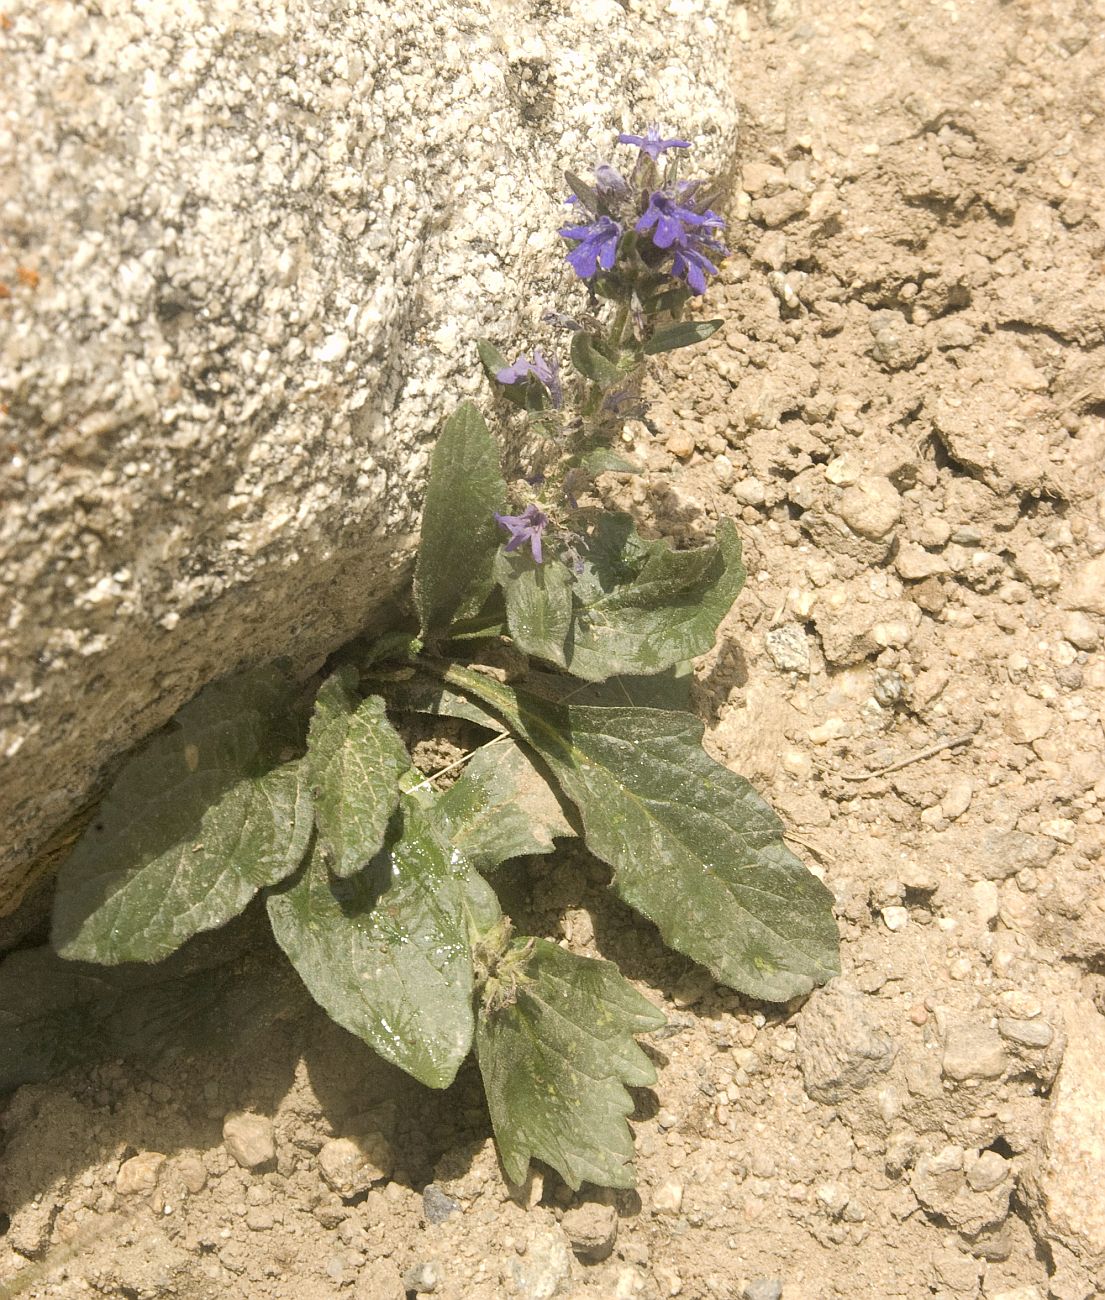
[
  {"x": 546, "y": 372},
  {"x": 691, "y": 265},
  {"x": 670, "y": 218},
  {"x": 526, "y": 527},
  {"x": 652, "y": 144},
  {"x": 598, "y": 246}
]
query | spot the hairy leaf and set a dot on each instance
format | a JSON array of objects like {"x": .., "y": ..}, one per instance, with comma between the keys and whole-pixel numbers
[
  {"x": 637, "y": 607},
  {"x": 198, "y": 820},
  {"x": 385, "y": 952},
  {"x": 501, "y": 807},
  {"x": 604, "y": 461},
  {"x": 556, "y": 1051},
  {"x": 681, "y": 334},
  {"x": 424, "y": 695},
  {"x": 538, "y": 603},
  {"x": 354, "y": 762},
  {"x": 586, "y": 194},
  {"x": 693, "y": 846},
  {"x": 670, "y": 689},
  {"x": 459, "y": 536},
  {"x": 591, "y": 363}
]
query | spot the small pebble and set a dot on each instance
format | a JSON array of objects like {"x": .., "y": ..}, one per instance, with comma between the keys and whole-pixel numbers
[
  {"x": 436, "y": 1206},
  {"x": 763, "y": 1288},
  {"x": 668, "y": 1198},
  {"x": 1081, "y": 631},
  {"x": 1028, "y": 1033},
  {"x": 248, "y": 1139},
  {"x": 749, "y": 492},
  {"x": 895, "y": 918},
  {"x": 138, "y": 1175},
  {"x": 680, "y": 443},
  {"x": 424, "y": 1278}
]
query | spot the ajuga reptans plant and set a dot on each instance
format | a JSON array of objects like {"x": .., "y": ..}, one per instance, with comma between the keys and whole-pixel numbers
[{"x": 563, "y": 637}]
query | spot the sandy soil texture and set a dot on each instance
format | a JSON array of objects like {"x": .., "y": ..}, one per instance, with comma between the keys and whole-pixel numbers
[{"x": 905, "y": 413}]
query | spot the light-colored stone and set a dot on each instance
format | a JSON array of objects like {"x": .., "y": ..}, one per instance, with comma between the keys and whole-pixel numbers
[
  {"x": 789, "y": 648},
  {"x": 264, "y": 261},
  {"x": 1066, "y": 1182},
  {"x": 1027, "y": 718},
  {"x": 972, "y": 1050},
  {"x": 1086, "y": 590},
  {"x": 1038, "y": 566},
  {"x": 350, "y": 1165},
  {"x": 668, "y": 1197},
  {"x": 914, "y": 563},
  {"x": 1081, "y": 631},
  {"x": 871, "y": 506},
  {"x": 138, "y": 1175},
  {"x": 248, "y": 1139},
  {"x": 545, "y": 1269}
]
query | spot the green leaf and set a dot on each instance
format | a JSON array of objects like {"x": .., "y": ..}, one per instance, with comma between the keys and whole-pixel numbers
[
  {"x": 386, "y": 952},
  {"x": 591, "y": 363},
  {"x": 216, "y": 991},
  {"x": 681, "y": 334},
  {"x": 459, "y": 539},
  {"x": 587, "y": 194},
  {"x": 198, "y": 820},
  {"x": 530, "y": 395},
  {"x": 501, "y": 807},
  {"x": 491, "y": 359},
  {"x": 670, "y": 689},
  {"x": 641, "y": 606},
  {"x": 556, "y": 1051},
  {"x": 424, "y": 695},
  {"x": 604, "y": 461},
  {"x": 637, "y": 607},
  {"x": 694, "y": 848},
  {"x": 538, "y": 603},
  {"x": 354, "y": 762}
]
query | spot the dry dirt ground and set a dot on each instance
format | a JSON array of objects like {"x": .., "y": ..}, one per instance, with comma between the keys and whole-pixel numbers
[{"x": 905, "y": 412}]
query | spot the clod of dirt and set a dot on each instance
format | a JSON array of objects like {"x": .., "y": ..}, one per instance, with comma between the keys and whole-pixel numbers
[{"x": 840, "y": 1048}]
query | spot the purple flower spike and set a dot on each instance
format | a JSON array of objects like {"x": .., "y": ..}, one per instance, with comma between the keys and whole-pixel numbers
[
  {"x": 652, "y": 144},
  {"x": 545, "y": 371},
  {"x": 526, "y": 527},
  {"x": 670, "y": 219},
  {"x": 598, "y": 246}
]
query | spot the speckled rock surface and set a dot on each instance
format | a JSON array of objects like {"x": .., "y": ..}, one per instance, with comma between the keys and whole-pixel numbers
[{"x": 248, "y": 249}]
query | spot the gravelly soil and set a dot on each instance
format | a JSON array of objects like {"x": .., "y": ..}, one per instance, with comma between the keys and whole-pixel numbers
[{"x": 906, "y": 414}]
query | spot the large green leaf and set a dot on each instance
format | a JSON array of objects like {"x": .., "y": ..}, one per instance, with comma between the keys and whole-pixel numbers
[
  {"x": 641, "y": 606},
  {"x": 556, "y": 1051},
  {"x": 670, "y": 689},
  {"x": 354, "y": 762},
  {"x": 538, "y": 603},
  {"x": 196, "y": 823},
  {"x": 216, "y": 991},
  {"x": 693, "y": 846},
  {"x": 501, "y": 807},
  {"x": 386, "y": 952},
  {"x": 424, "y": 695},
  {"x": 681, "y": 334},
  {"x": 637, "y": 607},
  {"x": 459, "y": 534}
]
